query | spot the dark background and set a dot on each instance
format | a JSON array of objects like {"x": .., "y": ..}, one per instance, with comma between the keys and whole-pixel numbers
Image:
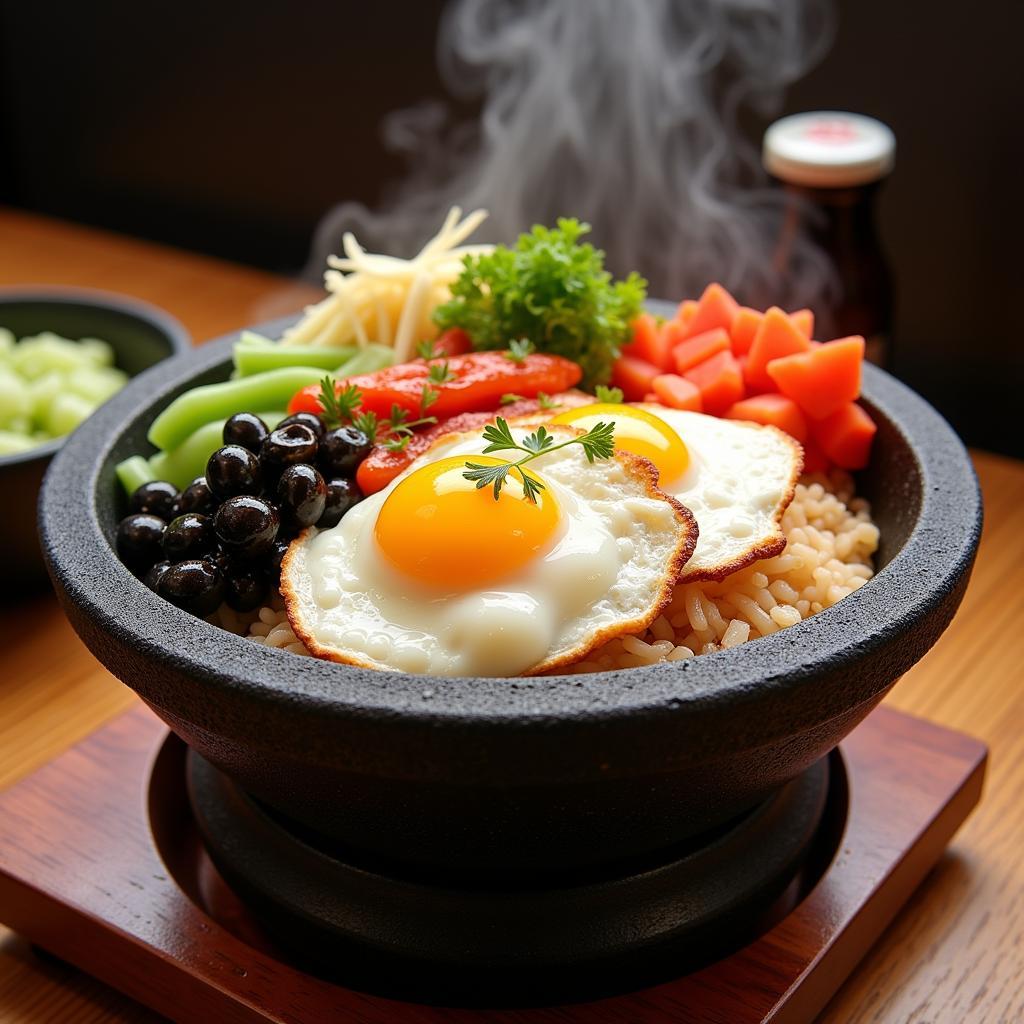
[{"x": 231, "y": 128}]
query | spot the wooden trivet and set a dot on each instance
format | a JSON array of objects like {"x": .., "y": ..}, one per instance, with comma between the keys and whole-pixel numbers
[{"x": 82, "y": 877}]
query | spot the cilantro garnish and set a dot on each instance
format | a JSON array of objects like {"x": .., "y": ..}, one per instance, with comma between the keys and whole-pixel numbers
[
  {"x": 612, "y": 396},
  {"x": 597, "y": 443},
  {"x": 338, "y": 406},
  {"x": 519, "y": 349},
  {"x": 368, "y": 423},
  {"x": 428, "y": 396},
  {"x": 440, "y": 373},
  {"x": 345, "y": 406}
]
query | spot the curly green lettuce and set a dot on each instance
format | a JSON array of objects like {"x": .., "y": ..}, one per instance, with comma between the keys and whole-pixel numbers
[{"x": 549, "y": 289}]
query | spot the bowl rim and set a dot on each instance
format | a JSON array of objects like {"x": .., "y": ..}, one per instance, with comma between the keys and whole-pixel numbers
[
  {"x": 936, "y": 559},
  {"x": 173, "y": 330}
]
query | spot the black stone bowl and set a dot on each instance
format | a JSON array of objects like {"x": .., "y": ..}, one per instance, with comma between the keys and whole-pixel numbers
[
  {"x": 140, "y": 335},
  {"x": 517, "y": 776}
]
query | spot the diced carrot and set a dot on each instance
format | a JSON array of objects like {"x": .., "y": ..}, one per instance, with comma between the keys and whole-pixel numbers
[
  {"x": 720, "y": 382},
  {"x": 698, "y": 348},
  {"x": 815, "y": 460},
  {"x": 744, "y": 326},
  {"x": 776, "y": 337},
  {"x": 677, "y": 392},
  {"x": 803, "y": 321},
  {"x": 650, "y": 342},
  {"x": 773, "y": 410},
  {"x": 822, "y": 379},
  {"x": 634, "y": 376},
  {"x": 673, "y": 333},
  {"x": 845, "y": 436},
  {"x": 715, "y": 309},
  {"x": 687, "y": 311}
]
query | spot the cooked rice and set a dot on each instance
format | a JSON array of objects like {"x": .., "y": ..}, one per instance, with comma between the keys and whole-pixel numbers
[
  {"x": 830, "y": 543},
  {"x": 268, "y": 626}
]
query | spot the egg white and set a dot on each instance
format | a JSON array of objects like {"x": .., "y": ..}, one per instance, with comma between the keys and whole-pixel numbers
[
  {"x": 740, "y": 480},
  {"x": 610, "y": 570}
]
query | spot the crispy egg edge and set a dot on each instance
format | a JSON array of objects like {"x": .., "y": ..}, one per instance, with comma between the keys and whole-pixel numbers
[
  {"x": 637, "y": 468},
  {"x": 768, "y": 548}
]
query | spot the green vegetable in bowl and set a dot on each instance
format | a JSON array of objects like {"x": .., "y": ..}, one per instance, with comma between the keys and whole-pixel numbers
[
  {"x": 49, "y": 384},
  {"x": 551, "y": 290},
  {"x": 134, "y": 472},
  {"x": 208, "y": 402}
]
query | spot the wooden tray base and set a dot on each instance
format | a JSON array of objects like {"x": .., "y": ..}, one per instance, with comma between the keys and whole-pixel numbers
[{"x": 81, "y": 876}]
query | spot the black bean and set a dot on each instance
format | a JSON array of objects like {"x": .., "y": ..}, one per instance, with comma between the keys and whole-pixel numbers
[
  {"x": 139, "y": 541},
  {"x": 233, "y": 470},
  {"x": 246, "y": 429},
  {"x": 157, "y": 498},
  {"x": 246, "y": 526}
]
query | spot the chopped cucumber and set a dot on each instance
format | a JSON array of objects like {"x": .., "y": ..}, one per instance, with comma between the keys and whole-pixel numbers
[
  {"x": 65, "y": 413},
  {"x": 15, "y": 400},
  {"x": 97, "y": 383},
  {"x": 13, "y": 444},
  {"x": 49, "y": 384}
]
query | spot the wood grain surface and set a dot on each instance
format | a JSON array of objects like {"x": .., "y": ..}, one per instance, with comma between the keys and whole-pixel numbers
[
  {"x": 910, "y": 783},
  {"x": 955, "y": 954}
]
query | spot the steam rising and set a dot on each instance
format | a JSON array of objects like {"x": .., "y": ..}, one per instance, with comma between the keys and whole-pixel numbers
[{"x": 623, "y": 113}]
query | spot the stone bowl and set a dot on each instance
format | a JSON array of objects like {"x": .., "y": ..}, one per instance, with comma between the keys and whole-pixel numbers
[
  {"x": 514, "y": 778},
  {"x": 141, "y": 335}
]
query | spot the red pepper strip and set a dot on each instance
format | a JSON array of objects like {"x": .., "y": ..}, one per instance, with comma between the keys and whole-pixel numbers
[
  {"x": 381, "y": 466},
  {"x": 553, "y": 404},
  {"x": 479, "y": 379},
  {"x": 453, "y": 342}
]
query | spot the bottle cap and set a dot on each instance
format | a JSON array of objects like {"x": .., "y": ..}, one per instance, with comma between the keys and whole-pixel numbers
[{"x": 828, "y": 149}]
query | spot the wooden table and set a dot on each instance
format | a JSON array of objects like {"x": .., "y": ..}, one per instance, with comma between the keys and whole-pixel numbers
[{"x": 955, "y": 953}]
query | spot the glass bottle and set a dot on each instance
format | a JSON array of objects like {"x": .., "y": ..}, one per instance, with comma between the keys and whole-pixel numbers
[{"x": 832, "y": 164}]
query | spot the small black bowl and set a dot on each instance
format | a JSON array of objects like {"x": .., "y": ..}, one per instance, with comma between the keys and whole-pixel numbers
[
  {"x": 517, "y": 776},
  {"x": 140, "y": 335}
]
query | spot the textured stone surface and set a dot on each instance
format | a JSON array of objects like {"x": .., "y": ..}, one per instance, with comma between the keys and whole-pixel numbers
[
  {"x": 437, "y": 938},
  {"x": 521, "y": 772}
]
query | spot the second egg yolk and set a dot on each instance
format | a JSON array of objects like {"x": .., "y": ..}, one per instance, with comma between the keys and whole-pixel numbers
[
  {"x": 637, "y": 431},
  {"x": 439, "y": 528}
]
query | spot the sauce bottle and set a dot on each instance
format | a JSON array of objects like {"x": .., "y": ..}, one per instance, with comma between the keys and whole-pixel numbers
[{"x": 831, "y": 165}]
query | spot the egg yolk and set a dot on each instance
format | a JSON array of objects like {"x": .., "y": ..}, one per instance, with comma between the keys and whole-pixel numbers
[
  {"x": 438, "y": 527},
  {"x": 636, "y": 431}
]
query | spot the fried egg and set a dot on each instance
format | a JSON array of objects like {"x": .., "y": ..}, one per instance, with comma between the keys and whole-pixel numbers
[
  {"x": 737, "y": 478},
  {"x": 435, "y": 575}
]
